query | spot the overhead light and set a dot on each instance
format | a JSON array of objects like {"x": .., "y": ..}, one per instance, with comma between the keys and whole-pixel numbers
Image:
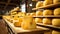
[{"x": 30, "y": 4}]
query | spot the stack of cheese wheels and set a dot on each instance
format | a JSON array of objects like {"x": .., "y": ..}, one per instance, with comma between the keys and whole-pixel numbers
[
  {"x": 47, "y": 12},
  {"x": 39, "y": 13},
  {"x": 17, "y": 21},
  {"x": 47, "y": 2},
  {"x": 47, "y": 21},
  {"x": 28, "y": 23},
  {"x": 56, "y": 1},
  {"x": 55, "y": 32},
  {"x": 39, "y": 4},
  {"x": 57, "y": 11},
  {"x": 38, "y": 20},
  {"x": 56, "y": 22},
  {"x": 33, "y": 14}
]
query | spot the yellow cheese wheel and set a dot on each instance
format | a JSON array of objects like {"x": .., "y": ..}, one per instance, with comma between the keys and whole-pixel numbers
[
  {"x": 47, "y": 2},
  {"x": 55, "y": 32},
  {"x": 15, "y": 9},
  {"x": 28, "y": 23},
  {"x": 39, "y": 13},
  {"x": 47, "y": 21},
  {"x": 17, "y": 21},
  {"x": 33, "y": 14},
  {"x": 56, "y": 22},
  {"x": 23, "y": 14},
  {"x": 57, "y": 11},
  {"x": 56, "y": 1},
  {"x": 47, "y": 12},
  {"x": 27, "y": 14},
  {"x": 38, "y": 20},
  {"x": 13, "y": 13},
  {"x": 19, "y": 14},
  {"x": 39, "y": 4}
]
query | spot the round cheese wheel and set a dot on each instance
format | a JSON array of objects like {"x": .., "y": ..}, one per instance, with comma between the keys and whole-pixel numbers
[
  {"x": 57, "y": 11},
  {"x": 23, "y": 14},
  {"x": 13, "y": 13},
  {"x": 56, "y": 22},
  {"x": 15, "y": 9},
  {"x": 17, "y": 21},
  {"x": 55, "y": 32},
  {"x": 47, "y": 2},
  {"x": 47, "y": 12},
  {"x": 32, "y": 14},
  {"x": 39, "y": 13},
  {"x": 39, "y": 4},
  {"x": 28, "y": 23},
  {"x": 38, "y": 20},
  {"x": 47, "y": 21},
  {"x": 56, "y": 1},
  {"x": 27, "y": 14}
]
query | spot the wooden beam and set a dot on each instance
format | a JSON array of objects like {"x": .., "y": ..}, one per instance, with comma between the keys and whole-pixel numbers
[
  {"x": 7, "y": 4},
  {"x": 13, "y": 4},
  {"x": 2, "y": 2}
]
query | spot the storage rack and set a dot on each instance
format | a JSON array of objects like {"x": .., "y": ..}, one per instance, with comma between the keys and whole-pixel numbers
[{"x": 51, "y": 6}]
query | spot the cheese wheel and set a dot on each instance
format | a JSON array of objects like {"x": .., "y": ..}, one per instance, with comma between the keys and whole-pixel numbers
[
  {"x": 47, "y": 12},
  {"x": 56, "y": 1},
  {"x": 15, "y": 9},
  {"x": 17, "y": 21},
  {"x": 32, "y": 14},
  {"x": 55, "y": 32},
  {"x": 13, "y": 13},
  {"x": 23, "y": 14},
  {"x": 28, "y": 23},
  {"x": 47, "y": 21},
  {"x": 39, "y": 4},
  {"x": 47, "y": 2},
  {"x": 27, "y": 14},
  {"x": 56, "y": 22},
  {"x": 39, "y": 13},
  {"x": 38, "y": 20},
  {"x": 57, "y": 11}
]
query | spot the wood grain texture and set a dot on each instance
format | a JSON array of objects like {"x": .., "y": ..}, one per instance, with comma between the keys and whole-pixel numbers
[{"x": 3, "y": 29}]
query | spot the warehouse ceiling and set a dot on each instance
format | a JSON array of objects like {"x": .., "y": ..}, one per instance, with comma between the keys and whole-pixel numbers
[{"x": 8, "y": 4}]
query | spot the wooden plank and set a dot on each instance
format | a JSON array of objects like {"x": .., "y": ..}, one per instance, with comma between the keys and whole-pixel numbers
[
  {"x": 49, "y": 26},
  {"x": 52, "y": 16},
  {"x": 48, "y": 6}
]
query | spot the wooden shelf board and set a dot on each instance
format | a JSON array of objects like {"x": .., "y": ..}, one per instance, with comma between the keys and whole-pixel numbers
[
  {"x": 49, "y": 26},
  {"x": 20, "y": 30},
  {"x": 47, "y": 16},
  {"x": 48, "y": 6}
]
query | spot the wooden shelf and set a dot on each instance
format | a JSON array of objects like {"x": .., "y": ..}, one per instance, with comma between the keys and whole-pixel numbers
[
  {"x": 19, "y": 30},
  {"x": 48, "y": 6},
  {"x": 47, "y": 16},
  {"x": 49, "y": 26}
]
